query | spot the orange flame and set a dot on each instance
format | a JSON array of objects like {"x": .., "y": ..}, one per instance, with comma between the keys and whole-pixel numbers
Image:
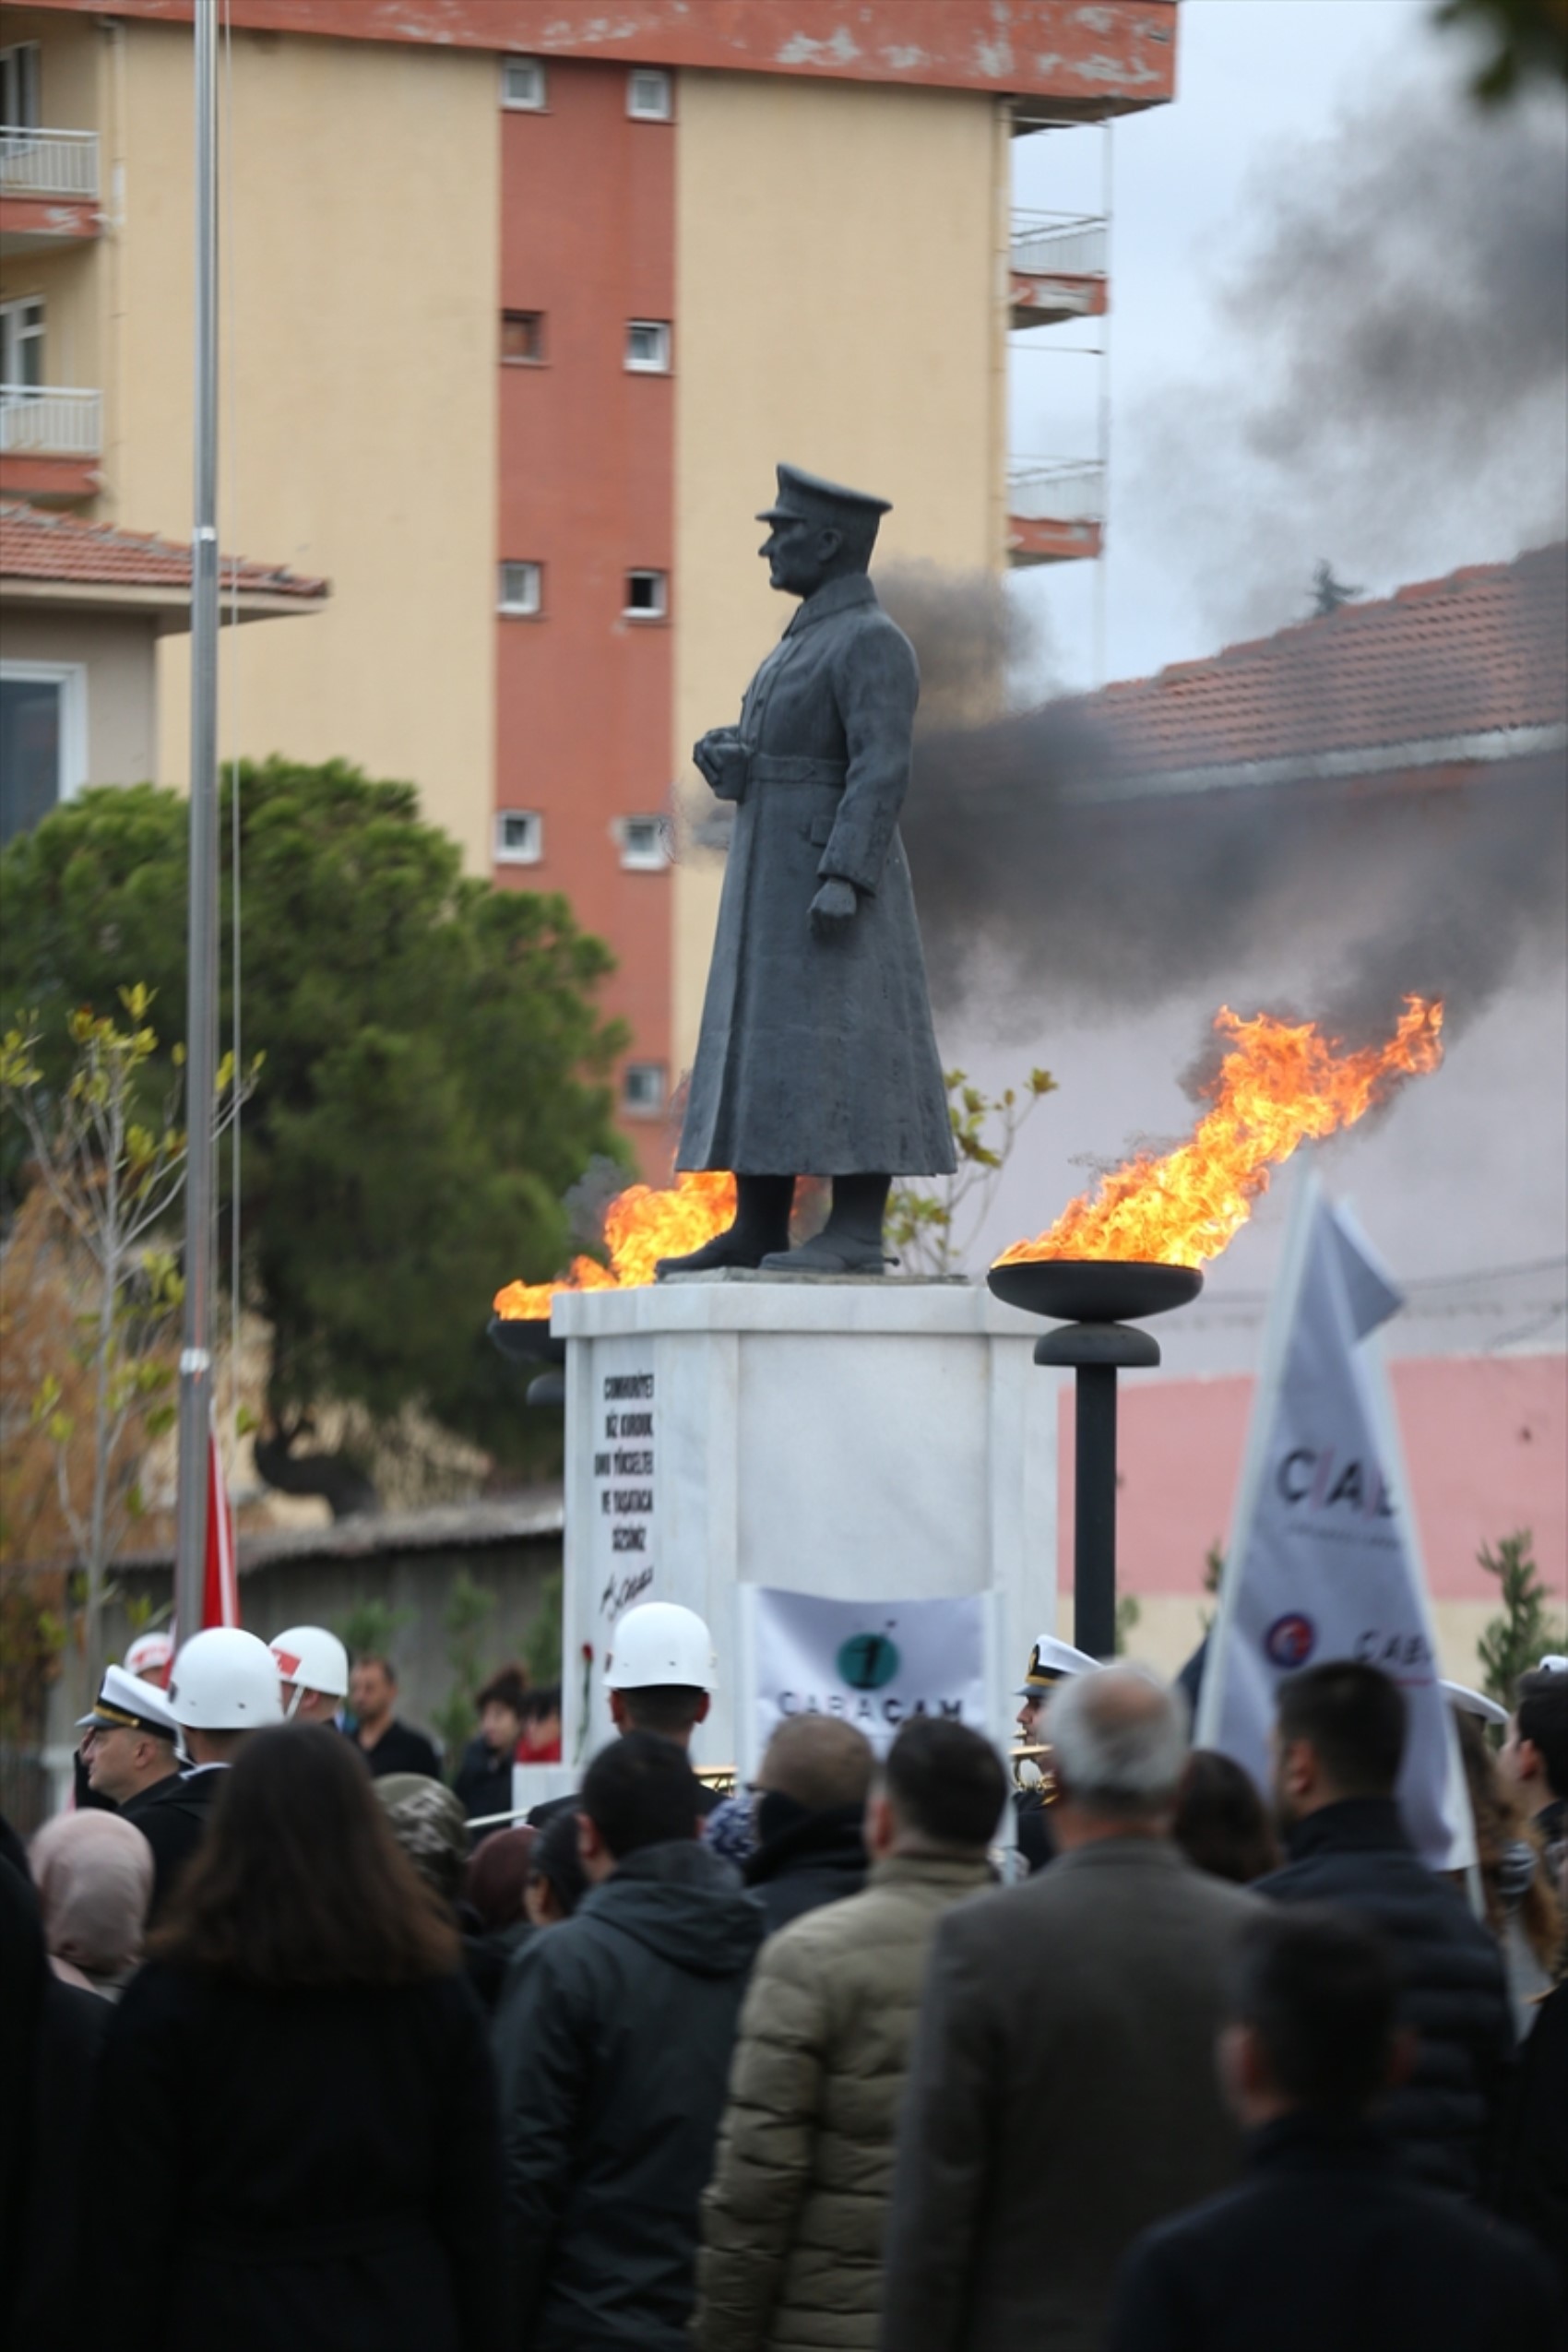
[
  {"x": 641, "y": 1226},
  {"x": 1279, "y": 1085}
]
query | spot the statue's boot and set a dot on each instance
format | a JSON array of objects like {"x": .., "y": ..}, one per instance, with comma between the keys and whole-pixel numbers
[
  {"x": 761, "y": 1224},
  {"x": 851, "y": 1241}
]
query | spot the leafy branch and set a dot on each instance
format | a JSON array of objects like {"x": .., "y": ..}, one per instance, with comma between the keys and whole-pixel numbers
[{"x": 933, "y": 1231}]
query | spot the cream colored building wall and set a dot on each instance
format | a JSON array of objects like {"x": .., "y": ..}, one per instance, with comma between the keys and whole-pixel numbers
[
  {"x": 120, "y": 656},
  {"x": 358, "y": 412},
  {"x": 839, "y": 303}
]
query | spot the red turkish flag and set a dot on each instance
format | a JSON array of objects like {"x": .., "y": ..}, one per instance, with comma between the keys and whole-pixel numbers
[{"x": 220, "y": 1590}]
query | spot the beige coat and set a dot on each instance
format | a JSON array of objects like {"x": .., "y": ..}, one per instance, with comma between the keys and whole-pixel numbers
[{"x": 791, "y": 2225}]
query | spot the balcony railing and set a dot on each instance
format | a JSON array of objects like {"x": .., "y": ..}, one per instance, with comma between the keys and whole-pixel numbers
[
  {"x": 1066, "y": 490},
  {"x": 1060, "y": 244},
  {"x": 48, "y": 163},
  {"x": 50, "y": 420}
]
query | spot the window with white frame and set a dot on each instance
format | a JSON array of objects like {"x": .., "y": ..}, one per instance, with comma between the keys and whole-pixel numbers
[
  {"x": 520, "y": 836},
  {"x": 522, "y": 590},
  {"x": 19, "y": 79},
  {"x": 22, "y": 345},
  {"x": 42, "y": 740},
  {"x": 648, "y": 596},
  {"x": 649, "y": 95},
  {"x": 643, "y": 845},
  {"x": 647, "y": 346},
  {"x": 644, "y": 1086},
  {"x": 524, "y": 89}
]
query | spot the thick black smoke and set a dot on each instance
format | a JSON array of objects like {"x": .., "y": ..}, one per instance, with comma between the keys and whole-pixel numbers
[
  {"x": 1050, "y": 878},
  {"x": 1396, "y": 400}
]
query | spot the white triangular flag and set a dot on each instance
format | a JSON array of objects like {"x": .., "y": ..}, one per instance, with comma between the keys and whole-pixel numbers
[{"x": 1323, "y": 1560}]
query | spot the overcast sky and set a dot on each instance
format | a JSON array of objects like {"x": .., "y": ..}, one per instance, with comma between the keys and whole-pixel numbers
[{"x": 1269, "y": 96}]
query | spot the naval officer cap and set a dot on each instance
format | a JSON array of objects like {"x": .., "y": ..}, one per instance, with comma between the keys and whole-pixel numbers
[
  {"x": 804, "y": 497},
  {"x": 1050, "y": 1662},
  {"x": 125, "y": 1703}
]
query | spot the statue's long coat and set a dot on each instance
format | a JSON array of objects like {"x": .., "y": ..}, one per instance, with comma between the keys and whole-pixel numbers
[{"x": 816, "y": 1056}]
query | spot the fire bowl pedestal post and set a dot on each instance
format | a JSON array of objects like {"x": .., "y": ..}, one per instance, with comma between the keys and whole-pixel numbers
[{"x": 1093, "y": 1297}]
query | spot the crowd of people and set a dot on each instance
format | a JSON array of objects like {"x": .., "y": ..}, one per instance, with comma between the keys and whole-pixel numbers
[{"x": 295, "y": 2058}]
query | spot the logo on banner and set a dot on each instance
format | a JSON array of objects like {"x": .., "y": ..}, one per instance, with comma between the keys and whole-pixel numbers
[
  {"x": 1291, "y": 1640},
  {"x": 867, "y": 1661}
]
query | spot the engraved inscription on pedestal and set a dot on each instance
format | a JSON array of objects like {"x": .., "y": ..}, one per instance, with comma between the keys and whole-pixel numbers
[{"x": 623, "y": 1514}]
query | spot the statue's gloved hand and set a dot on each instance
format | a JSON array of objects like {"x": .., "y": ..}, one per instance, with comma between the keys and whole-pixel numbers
[
  {"x": 832, "y": 908},
  {"x": 721, "y": 755}
]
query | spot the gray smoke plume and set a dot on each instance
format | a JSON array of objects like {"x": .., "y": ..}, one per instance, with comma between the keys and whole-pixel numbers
[{"x": 1395, "y": 395}]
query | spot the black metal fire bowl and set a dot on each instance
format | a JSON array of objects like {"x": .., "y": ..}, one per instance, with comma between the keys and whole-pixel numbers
[
  {"x": 1095, "y": 1290},
  {"x": 527, "y": 1339}
]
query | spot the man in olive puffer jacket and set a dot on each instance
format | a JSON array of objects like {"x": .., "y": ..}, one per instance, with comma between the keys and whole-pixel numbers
[{"x": 793, "y": 2222}]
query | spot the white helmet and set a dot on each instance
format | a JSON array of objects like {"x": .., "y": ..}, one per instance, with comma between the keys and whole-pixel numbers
[
  {"x": 310, "y": 1659},
  {"x": 660, "y": 1644},
  {"x": 225, "y": 1679},
  {"x": 149, "y": 1654}
]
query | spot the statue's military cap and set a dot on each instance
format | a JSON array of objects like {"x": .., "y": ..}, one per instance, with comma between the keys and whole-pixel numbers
[{"x": 807, "y": 498}]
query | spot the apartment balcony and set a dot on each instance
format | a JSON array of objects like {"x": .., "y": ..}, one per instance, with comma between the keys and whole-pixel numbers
[
  {"x": 1055, "y": 510},
  {"x": 48, "y": 189},
  {"x": 1057, "y": 267},
  {"x": 51, "y": 438}
]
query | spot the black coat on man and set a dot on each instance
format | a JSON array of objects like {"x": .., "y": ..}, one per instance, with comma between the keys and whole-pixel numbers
[
  {"x": 1327, "y": 2245},
  {"x": 401, "y": 1749},
  {"x": 1532, "y": 2177},
  {"x": 1452, "y": 1989},
  {"x": 172, "y": 1816},
  {"x": 52, "y": 2034},
  {"x": 804, "y": 1858},
  {"x": 615, "y": 2038},
  {"x": 483, "y": 1781},
  {"x": 302, "y": 2170}
]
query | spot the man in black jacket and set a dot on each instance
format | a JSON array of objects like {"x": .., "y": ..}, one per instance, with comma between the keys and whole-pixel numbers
[
  {"x": 1339, "y": 1744},
  {"x": 814, "y": 1781},
  {"x": 613, "y": 2042},
  {"x": 1327, "y": 2240}
]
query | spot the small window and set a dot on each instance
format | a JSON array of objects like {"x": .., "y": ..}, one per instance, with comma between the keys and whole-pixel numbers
[
  {"x": 647, "y": 596},
  {"x": 648, "y": 95},
  {"x": 523, "y": 85},
  {"x": 522, "y": 588},
  {"x": 643, "y": 1089},
  {"x": 647, "y": 346},
  {"x": 19, "y": 109},
  {"x": 519, "y": 838},
  {"x": 643, "y": 848},
  {"x": 522, "y": 336}
]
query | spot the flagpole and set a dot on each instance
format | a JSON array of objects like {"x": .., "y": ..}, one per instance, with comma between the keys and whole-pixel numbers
[{"x": 201, "y": 1014}]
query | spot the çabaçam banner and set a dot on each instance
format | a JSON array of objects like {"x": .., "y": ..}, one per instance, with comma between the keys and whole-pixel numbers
[
  {"x": 1324, "y": 1561},
  {"x": 874, "y": 1664}
]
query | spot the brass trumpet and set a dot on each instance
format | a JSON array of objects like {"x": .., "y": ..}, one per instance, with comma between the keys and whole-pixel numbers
[{"x": 1033, "y": 1771}]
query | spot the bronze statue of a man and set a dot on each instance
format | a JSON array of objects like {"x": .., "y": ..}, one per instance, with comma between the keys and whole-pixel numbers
[{"x": 816, "y": 1055}]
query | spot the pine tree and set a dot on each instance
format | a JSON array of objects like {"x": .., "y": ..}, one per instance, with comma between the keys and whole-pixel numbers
[{"x": 1526, "y": 1630}]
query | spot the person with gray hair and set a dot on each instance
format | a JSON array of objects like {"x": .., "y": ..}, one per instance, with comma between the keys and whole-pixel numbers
[{"x": 1063, "y": 2094}]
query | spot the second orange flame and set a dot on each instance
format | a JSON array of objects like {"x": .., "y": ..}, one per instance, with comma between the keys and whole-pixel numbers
[{"x": 1280, "y": 1083}]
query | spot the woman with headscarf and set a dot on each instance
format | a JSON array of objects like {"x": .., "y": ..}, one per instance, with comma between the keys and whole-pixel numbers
[
  {"x": 93, "y": 1873},
  {"x": 296, "y": 2102}
]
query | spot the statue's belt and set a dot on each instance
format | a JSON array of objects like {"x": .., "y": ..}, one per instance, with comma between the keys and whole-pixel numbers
[{"x": 778, "y": 767}]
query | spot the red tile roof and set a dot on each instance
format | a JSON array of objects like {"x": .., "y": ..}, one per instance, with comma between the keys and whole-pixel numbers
[
  {"x": 1480, "y": 651},
  {"x": 37, "y": 545}
]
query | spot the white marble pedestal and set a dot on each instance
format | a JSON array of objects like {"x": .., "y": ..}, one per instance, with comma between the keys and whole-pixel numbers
[{"x": 860, "y": 1438}]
